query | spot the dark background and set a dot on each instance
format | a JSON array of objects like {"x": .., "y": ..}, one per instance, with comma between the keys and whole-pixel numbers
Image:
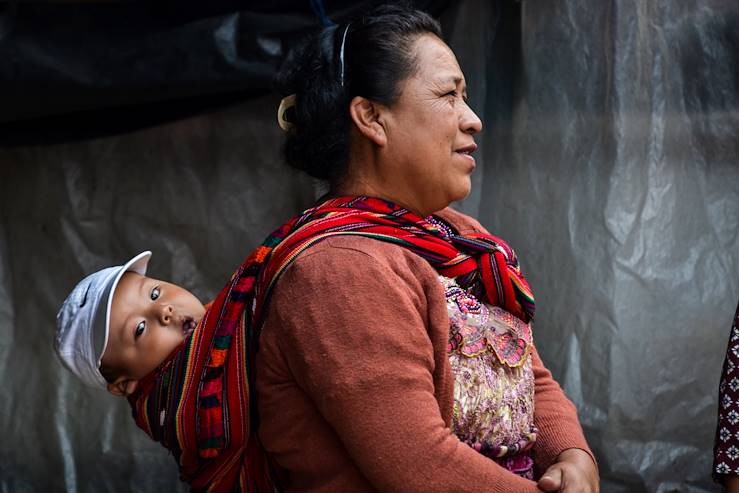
[{"x": 608, "y": 159}]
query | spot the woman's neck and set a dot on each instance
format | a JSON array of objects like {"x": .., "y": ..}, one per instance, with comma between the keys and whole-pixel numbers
[{"x": 378, "y": 191}]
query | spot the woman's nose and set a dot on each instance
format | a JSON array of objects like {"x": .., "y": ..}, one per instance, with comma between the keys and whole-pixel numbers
[{"x": 469, "y": 122}]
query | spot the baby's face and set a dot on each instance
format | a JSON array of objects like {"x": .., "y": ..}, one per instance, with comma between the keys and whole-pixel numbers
[{"x": 148, "y": 320}]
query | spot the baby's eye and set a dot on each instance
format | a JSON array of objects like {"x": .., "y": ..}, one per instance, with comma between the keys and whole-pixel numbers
[
  {"x": 140, "y": 328},
  {"x": 154, "y": 293}
]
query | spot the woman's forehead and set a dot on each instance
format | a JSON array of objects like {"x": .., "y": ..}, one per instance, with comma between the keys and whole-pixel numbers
[{"x": 436, "y": 61}]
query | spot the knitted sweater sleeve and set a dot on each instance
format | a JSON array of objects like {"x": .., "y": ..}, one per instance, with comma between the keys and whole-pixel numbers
[
  {"x": 358, "y": 347},
  {"x": 555, "y": 415}
]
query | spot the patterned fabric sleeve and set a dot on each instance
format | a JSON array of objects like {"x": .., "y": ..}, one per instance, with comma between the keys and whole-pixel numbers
[{"x": 726, "y": 445}]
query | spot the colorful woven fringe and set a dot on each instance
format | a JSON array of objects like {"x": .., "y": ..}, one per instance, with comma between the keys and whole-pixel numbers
[{"x": 198, "y": 403}]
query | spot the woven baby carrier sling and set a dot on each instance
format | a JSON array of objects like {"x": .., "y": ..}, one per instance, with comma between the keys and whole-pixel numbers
[{"x": 200, "y": 402}]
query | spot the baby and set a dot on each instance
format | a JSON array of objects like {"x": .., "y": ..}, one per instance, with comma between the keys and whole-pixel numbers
[
  {"x": 123, "y": 331},
  {"x": 117, "y": 325}
]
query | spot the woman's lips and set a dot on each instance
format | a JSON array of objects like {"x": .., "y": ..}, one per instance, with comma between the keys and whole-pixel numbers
[
  {"x": 466, "y": 153},
  {"x": 467, "y": 157}
]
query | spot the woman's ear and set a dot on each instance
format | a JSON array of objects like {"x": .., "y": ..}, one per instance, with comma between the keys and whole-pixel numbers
[
  {"x": 366, "y": 115},
  {"x": 122, "y": 386}
]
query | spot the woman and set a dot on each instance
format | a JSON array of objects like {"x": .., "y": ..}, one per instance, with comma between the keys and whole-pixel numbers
[
  {"x": 726, "y": 444},
  {"x": 384, "y": 363}
]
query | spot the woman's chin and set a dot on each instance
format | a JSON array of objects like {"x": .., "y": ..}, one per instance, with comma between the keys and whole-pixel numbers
[
  {"x": 462, "y": 190},
  {"x": 455, "y": 195}
]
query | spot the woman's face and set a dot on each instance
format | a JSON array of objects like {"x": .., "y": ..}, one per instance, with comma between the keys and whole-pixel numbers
[{"x": 430, "y": 133}]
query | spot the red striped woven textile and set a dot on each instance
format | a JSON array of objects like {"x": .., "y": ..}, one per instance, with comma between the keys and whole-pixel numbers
[{"x": 482, "y": 261}]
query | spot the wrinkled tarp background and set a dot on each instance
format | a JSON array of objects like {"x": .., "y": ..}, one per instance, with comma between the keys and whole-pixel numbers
[{"x": 608, "y": 160}]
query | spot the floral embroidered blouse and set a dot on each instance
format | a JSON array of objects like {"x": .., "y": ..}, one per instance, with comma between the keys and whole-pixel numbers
[{"x": 489, "y": 352}]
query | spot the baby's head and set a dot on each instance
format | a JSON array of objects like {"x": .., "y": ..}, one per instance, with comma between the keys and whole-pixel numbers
[{"x": 117, "y": 325}]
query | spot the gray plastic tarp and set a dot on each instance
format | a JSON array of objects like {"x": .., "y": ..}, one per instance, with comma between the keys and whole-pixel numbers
[{"x": 608, "y": 160}]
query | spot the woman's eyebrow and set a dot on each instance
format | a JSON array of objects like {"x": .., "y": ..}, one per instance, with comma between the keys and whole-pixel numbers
[{"x": 454, "y": 79}]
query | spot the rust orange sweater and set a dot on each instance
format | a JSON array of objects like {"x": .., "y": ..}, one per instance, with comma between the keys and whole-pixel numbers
[{"x": 354, "y": 384}]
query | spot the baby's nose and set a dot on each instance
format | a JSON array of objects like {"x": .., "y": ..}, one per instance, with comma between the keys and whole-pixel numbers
[{"x": 166, "y": 313}]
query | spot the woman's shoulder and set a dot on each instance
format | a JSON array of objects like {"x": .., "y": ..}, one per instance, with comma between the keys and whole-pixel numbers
[
  {"x": 462, "y": 222},
  {"x": 355, "y": 272},
  {"x": 359, "y": 256}
]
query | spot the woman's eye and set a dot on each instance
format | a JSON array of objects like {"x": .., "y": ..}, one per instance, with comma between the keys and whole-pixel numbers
[
  {"x": 140, "y": 328},
  {"x": 154, "y": 293}
]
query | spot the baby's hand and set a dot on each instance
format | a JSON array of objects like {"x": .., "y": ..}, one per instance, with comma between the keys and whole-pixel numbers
[{"x": 574, "y": 472}]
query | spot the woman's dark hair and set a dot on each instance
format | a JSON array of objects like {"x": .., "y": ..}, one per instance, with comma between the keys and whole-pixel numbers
[{"x": 377, "y": 58}]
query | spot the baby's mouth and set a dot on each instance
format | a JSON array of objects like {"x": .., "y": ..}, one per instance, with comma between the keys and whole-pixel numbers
[{"x": 188, "y": 326}]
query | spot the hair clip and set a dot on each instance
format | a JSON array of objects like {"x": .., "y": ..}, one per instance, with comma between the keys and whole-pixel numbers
[
  {"x": 285, "y": 104},
  {"x": 341, "y": 53}
]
